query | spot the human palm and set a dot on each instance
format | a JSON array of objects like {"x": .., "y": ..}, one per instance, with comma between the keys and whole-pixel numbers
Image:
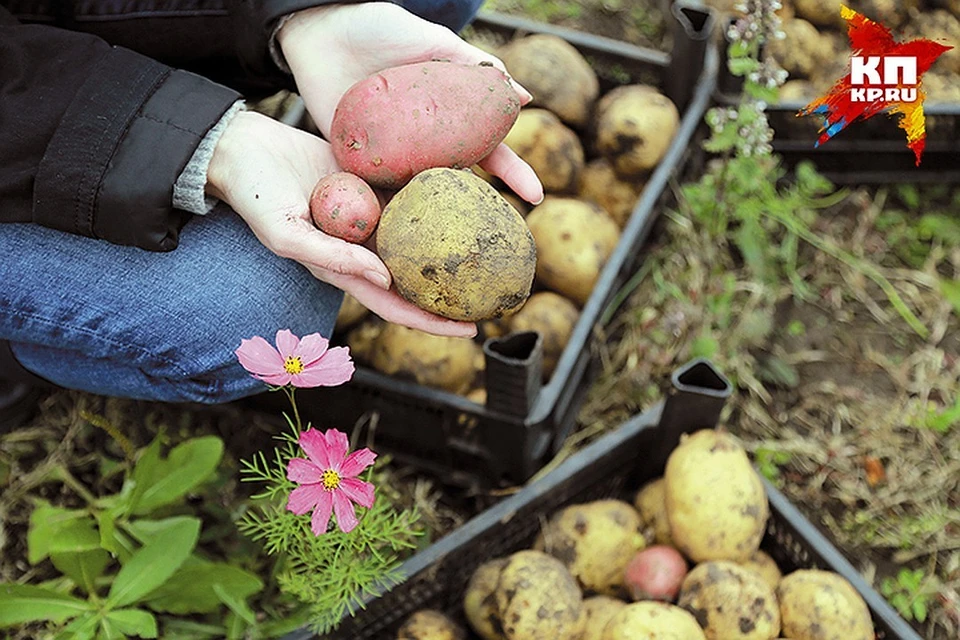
[{"x": 266, "y": 171}]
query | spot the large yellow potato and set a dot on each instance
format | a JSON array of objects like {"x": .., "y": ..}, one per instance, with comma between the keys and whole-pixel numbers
[
  {"x": 362, "y": 338},
  {"x": 455, "y": 247},
  {"x": 480, "y": 603},
  {"x": 553, "y": 317},
  {"x": 597, "y": 612},
  {"x": 821, "y": 605},
  {"x": 652, "y": 621},
  {"x": 599, "y": 183},
  {"x": 553, "y": 150},
  {"x": 595, "y": 541},
  {"x": 574, "y": 240},
  {"x": 765, "y": 567},
  {"x": 730, "y": 602},
  {"x": 651, "y": 503},
  {"x": 538, "y": 599},
  {"x": 716, "y": 504},
  {"x": 428, "y": 624},
  {"x": 557, "y": 75},
  {"x": 635, "y": 125},
  {"x": 435, "y": 361}
]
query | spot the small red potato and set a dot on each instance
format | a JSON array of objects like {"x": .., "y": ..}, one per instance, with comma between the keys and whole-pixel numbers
[
  {"x": 391, "y": 126},
  {"x": 345, "y": 206},
  {"x": 656, "y": 573}
]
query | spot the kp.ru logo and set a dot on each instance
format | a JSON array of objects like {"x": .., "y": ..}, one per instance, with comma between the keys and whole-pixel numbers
[{"x": 885, "y": 76}]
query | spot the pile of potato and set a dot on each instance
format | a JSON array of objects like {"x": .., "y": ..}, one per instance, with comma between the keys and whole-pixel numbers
[
  {"x": 592, "y": 153},
  {"x": 612, "y": 570},
  {"x": 816, "y": 51}
]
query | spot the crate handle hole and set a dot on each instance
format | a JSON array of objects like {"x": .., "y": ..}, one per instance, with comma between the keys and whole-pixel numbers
[
  {"x": 703, "y": 377},
  {"x": 517, "y": 347}
]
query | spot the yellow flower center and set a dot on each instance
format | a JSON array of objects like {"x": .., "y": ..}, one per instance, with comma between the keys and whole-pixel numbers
[
  {"x": 330, "y": 479},
  {"x": 293, "y": 365}
]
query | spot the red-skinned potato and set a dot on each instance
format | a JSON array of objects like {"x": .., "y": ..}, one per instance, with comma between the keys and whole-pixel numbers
[
  {"x": 656, "y": 573},
  {"x": 345, "y": 206},
  {"x": 391, "y": 126}
]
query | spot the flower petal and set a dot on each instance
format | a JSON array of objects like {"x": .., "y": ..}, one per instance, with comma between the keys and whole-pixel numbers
[
  {"x": 304, "y": 498},
  {"x": 311, "y": 348},
  {"x": 258, "y": 356},
  {"x": 321, "y": 515},
  {"x": 359, "y": 491},
  {"x": 337, "y": 447},
  {"x": 346, "y": 515},
  {"x": 315, "y": 446},
  {"x": 276, "y": 379},
  {"x": 357, "y": 462},
  {"x": 303, "y": 471},
  {"x": 286, "y": 343}
]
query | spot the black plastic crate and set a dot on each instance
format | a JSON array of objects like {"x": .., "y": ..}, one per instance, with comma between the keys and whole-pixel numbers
[
  {"x": 616, "y": 465},
  {"x": 524, "y": 421}
]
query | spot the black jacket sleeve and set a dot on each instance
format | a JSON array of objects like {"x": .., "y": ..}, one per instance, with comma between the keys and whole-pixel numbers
[{"x": 92, "y": 134}]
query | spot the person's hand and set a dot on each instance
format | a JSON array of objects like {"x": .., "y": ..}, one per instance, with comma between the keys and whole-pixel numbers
[
  {"x": 266, "y": 171},
  {"x": 332, "y": 47}
]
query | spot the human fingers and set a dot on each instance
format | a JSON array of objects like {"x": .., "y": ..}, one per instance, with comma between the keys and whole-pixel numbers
[
  {"x": 517, "y": 174},
  {"x": 393, "y": 308}
]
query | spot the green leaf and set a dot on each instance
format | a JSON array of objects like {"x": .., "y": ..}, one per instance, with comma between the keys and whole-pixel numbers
[
  {"x": 22, "y": 603},
  {"x": 235, "y": 605},
  {"x": 704, "y": 346},
  {"x": 742, "y": 66},
  {"x": 920, "y": 610},
  {"x": 166, "y": 481},
  {"x": 134, "y": 622},
  {"x": 942, "y": 422},
  {"x": 55, "y": 529},
  {"x": 180, "y": 629},
  {"x": 106, "y": 523},
  {"x": 83, "y": 567},
  {"x": 144, "y": 471},
  {"x": 950, "y": 290},
  {"x": 190, "y": 590},
  {"x": 82, "y": 628},
  {"x": 153, "y": 564}
]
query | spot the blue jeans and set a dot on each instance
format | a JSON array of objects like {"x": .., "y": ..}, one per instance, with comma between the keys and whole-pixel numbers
[{"x": 119, "y": 321}]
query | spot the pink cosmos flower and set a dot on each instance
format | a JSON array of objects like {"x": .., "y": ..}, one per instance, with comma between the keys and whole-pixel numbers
[
  {"x": 328, "y": 480},
  {"x": 302, "y": 363}
]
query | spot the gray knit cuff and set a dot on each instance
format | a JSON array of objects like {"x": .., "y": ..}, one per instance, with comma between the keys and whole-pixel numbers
[
  {"x": 189, "y": 191},
  {"x": 276, "y": 53}
]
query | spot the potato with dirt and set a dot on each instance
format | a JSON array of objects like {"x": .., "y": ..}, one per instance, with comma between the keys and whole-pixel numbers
[
  {"x": 429, "y": 624},
  {"x": 574, "y": 240},
  {"x": 764, "y": 566},
  {"x": 392, "y": 125},
  {"x": 821, "y": 605},
  {"x": 730, "y": 602},
  {"x": 435, "y": 361},
  {"x": 597, "y": 612},
  {"x": 480, "y": 601},
  {"x": 344, "y": 206},
  {"x": 634, "y": 126},
  {"x": 595, "y": 541},
  {"x": 538, "y": 599},
  {"x": 553, "y": 317},
  {"x": 553, "y": 150},
  {"x": 652, "y": 621},
  {"x": 456, "y": 248},
  {"x": 600, "y": 183},
  {"x": 651, "y": 503},
  {"x": 655, "y": 573},
  {"x": 557, "y": 75},
  {"x": 716, "y": 503}
]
